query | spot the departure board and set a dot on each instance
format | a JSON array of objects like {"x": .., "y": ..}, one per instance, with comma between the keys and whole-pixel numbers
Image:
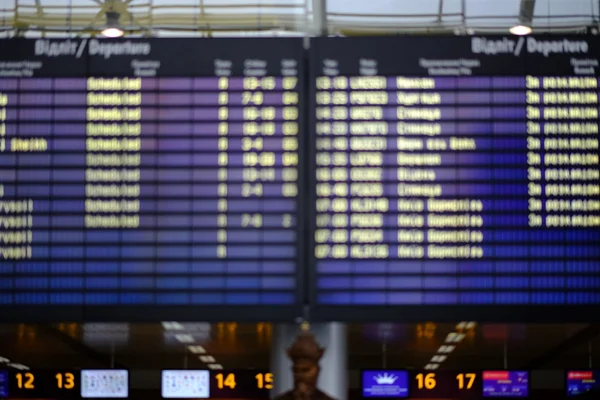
[
  {"x": 150, "y": 178},
  {"x": 455, "y": 177}
]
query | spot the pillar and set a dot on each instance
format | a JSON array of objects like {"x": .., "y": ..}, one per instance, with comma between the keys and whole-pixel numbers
[
  {"x": 333, "y": 378},
  {"x": 319, "y": 9}
]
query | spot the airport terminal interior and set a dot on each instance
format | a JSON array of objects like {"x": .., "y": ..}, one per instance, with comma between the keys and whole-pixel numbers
[
  {"x": 300, "y": 199},
  {"x": 546, "y": 351}
]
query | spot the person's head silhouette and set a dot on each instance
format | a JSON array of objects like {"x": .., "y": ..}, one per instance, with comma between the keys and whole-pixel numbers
[{"x": 305, "y": 354}]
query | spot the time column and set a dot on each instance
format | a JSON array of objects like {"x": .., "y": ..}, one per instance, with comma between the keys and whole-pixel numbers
[{"x": 331, "y": 235}]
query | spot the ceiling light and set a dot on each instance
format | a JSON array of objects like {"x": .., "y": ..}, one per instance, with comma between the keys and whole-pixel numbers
[
  {"x": 207, "y": 359},
  {"x": 446, "y": 349},
  {"x": 438, "y": 359},
  {"x": 521, "y": 30},
  {"x": 113, "y": 28},
  {"x": 106, "y": 327},
  {"x": 454, "y": 337},
  {"x": 461, "y": 325},
  {"x": 112, "y": 32},
  {"x": 197, "y": 349},
  {"x": 185, "y": 338},
  {"x": 215, "y": 366},
  {"x": 432, "y": 366},
  {"x": 471, "y": 325},
  {"x": 451, "y": 336},
  {"x": 197, "y": 327},
  {"x": 19, "y": 366},
  {"x": 4, "y": 360},
  {"x": 172, "y": 326}
]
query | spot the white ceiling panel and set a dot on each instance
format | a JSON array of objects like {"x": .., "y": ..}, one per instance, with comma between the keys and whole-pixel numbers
[
  {"x": 386, "y": 7},
  {"x": 175, "y": 3},
  {"x": 21, "y": 2},
  {"x": 383, "y": 15},
  {"x": 250, "y": 7},
  {"x": 491, "y": 8},
  {"x": 452, "y": 12},
  {"x": 565, "y": 12},
  {"x": 452, "y": 6},
  {"x": 255, "y": 11},
  {"x": 491, "y": 15},
  {"x": 397, "y": 23},
  {"x": 64, "y": 3},
  {"x": 257, "y": 2}
]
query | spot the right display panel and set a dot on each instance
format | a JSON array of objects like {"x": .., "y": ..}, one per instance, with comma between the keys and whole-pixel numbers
[{"x": 456, "y": 178}]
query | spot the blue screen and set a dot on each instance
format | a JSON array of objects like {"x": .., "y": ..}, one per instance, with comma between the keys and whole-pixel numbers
[
  {"x": 146, "y": 177},
  {"x": 450, "y": 174},
  {"x": 384, "y": 383},
  {"x": 3, "y": 383},
  {"x": 580, "y": 382},
  {"x": 505, "y": 384}
]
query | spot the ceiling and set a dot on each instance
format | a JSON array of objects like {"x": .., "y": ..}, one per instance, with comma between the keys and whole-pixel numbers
[
  {"x": 233, "y": 346},
  {"x": 289, "y": 17}
]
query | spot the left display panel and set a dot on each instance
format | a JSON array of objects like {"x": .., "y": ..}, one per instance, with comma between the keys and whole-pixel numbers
[{"x": 148, "y": 180}]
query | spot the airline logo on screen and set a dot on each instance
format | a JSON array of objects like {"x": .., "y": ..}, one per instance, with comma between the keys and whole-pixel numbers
[
  {"x": 385, "y": 384},
  {"x": 76, "y": 48},
  {"x": 505, "y": 45},
  {"x": 386, "y": 379}
]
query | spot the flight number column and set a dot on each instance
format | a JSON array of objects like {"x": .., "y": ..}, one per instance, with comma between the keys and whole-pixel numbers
[
  {"x": 563, "y": 154},
  {"x": 113, "y": 153}
]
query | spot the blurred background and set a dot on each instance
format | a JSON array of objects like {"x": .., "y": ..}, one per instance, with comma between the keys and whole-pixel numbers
[
  {"x": 205, "y": 18},
  {"x": 229, "y": 345}
]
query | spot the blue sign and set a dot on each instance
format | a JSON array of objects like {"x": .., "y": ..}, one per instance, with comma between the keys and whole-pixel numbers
[
  {"x": 505, "y": 384},
  {"x": 384, "y": 383},
  {"x": 580, "y": 382},
  {"x": 3, "y": 383}
]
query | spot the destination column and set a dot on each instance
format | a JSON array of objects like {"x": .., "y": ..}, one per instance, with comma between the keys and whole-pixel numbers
[
  {"x": 418, "y": 157},
  {"x": 438, "y": 217}
]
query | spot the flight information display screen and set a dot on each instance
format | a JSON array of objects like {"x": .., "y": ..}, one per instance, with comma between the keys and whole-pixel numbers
[
  {"x": 580, "y": 382},
  {"x": 455, "y": 174},
  {"x": 154, "y": 176},
  {"x": 505, "y": 384}
]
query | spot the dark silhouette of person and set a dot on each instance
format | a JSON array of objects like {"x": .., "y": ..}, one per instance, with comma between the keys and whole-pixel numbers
[{"x": 305, "y": 354}]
